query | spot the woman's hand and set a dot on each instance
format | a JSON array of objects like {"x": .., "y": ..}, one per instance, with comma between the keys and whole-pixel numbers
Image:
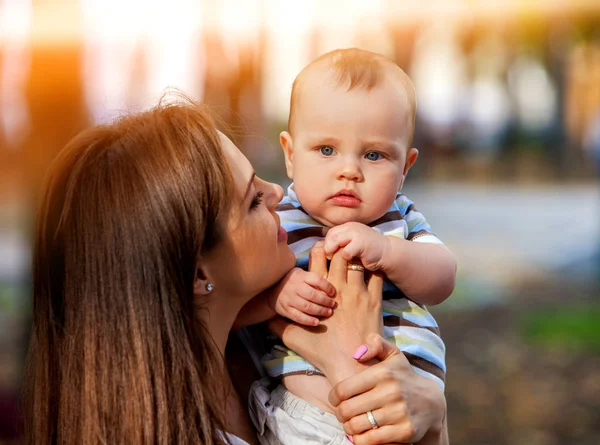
[
  {"x": 407, "y": 407},
  {"x": 356, "y": 315}
]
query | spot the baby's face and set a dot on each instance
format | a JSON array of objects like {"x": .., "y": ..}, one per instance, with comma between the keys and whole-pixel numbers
[{"x": 348, "y": 155}]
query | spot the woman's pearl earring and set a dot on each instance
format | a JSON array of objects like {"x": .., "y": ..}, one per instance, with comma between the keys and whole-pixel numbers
[{"x": 209, "y": 287}]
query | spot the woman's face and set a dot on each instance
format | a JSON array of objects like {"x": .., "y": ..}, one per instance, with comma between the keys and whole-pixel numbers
[{"x": 254, "y": 253}]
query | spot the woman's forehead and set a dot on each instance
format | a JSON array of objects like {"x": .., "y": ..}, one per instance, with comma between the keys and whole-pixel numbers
[{"x": 240, "y": 166}]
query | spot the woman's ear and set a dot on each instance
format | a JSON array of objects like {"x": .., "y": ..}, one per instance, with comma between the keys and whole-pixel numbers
[
  {"x": 202, "y": 285},
  {"x": 285, "y": 139}
]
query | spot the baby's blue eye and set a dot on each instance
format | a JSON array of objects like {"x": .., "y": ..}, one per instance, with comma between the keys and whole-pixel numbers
[
  {"x": 326, "y": 150},
  {"x": 373, "y": 156}
]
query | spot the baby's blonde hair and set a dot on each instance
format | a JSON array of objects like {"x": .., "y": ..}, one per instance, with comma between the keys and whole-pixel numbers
[{"x": 358, "y": 68}]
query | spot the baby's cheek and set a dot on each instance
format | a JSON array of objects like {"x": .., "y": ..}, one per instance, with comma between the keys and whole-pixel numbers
[{"x": 309, "y": 198}]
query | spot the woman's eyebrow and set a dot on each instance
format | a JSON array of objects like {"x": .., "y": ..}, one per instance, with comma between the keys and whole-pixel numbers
[{"x": 249, "y": 185}]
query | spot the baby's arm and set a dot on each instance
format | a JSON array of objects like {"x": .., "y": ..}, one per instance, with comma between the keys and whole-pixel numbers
[
  {"x": 421, "y": 266},
  {"x": 424, "y": 271},
  {"x": 300, "y": 296}
]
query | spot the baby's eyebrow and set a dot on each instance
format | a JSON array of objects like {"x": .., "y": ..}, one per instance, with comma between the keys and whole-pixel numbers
[
  {"x": 322, "y": 139},
  {"x": 381, "y": 145}
]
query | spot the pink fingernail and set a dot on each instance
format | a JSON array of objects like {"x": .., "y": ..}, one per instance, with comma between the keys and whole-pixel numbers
[
  {"x": 362, "y": 350},
  {"x": 350, "y": 438}
]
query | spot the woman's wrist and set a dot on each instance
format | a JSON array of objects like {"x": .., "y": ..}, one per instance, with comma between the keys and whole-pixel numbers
[
  {"x": 347, "y": 365},
  {"x": 342, "y": 369},
  {"x": 437, "y": 435}
]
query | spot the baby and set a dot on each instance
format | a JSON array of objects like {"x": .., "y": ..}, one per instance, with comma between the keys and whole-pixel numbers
[{"x": 348, "y": 151}]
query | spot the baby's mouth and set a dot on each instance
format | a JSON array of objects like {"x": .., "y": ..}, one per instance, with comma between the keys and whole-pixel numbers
[
  {"x": 346, "y": 198},
  {"x": 346, "y": 193}
]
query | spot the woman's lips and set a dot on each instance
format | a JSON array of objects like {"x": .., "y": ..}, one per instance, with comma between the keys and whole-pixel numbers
[{"x": 282, "y": 235}]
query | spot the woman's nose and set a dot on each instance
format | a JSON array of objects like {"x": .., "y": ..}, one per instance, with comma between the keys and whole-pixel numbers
[{"x": 275, "y": 195}]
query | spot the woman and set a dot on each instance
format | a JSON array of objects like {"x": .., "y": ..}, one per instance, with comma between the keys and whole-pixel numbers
[{"x": 152, "y": 235}]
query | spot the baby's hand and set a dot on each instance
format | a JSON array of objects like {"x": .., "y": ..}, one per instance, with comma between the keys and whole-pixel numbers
[
  {"x": 302, "y": 295},
  {"x": 358, "y": 241}
]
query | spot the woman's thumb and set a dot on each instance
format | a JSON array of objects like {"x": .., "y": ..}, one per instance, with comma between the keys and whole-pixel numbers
[{"x": 279, "y": 326}]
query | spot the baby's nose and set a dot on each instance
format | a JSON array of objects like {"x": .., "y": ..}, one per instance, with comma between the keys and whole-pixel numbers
[{"x": 351, "y": 171}]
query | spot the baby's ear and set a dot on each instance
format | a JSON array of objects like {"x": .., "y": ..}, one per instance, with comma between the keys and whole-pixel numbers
[
  {"x": 411, "y": 158},
  {"x": 287, "y": 145}
]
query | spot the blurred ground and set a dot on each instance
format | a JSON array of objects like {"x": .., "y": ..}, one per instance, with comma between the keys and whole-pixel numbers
[{"x": 505, "y": 387}]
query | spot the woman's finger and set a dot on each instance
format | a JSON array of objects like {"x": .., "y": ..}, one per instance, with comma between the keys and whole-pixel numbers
[
  {"x": 375, "y": 285},
  {"x": 384, "y": 435},
  {"x": 377, "y": 398},
  {"x": 293, "y": 335},
  {"x": 317, "y": 261},
  {"x": 357, "y": 384},
  {"x": 366, "y": 380},
  {"x": 338, "y": 268},
  {"x": 360, "y": 423},
  {"x": 377, "y": 348},
  {"x": 356, "y": 274},
  {"x": 283, "y": 329}
]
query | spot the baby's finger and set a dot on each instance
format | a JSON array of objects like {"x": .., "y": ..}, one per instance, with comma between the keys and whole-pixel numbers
[
  {"x": 302, "y": 318},
  {"x": 352, "y": 250},
  {"x": 335, "y": 242},
  {"x": 318, "y": 282},
  {"x": 317, "y": 297},
  {"x": 330, "y": 247},
  {"x": 306, "y": 306}
]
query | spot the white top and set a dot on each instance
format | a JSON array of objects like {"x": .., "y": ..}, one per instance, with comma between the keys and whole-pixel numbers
[{"x": 234, "y": 440}]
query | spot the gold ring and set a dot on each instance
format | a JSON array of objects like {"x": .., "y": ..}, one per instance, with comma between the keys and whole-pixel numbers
[
  {"x": 372, "y": 420},
  {"x": 356, "y": 267}
]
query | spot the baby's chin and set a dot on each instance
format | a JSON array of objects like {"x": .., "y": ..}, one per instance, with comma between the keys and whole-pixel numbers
[{"x": 339, "y": 216}]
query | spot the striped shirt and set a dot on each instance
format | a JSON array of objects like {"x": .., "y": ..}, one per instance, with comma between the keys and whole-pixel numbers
[{"x": 407, "y": 324}]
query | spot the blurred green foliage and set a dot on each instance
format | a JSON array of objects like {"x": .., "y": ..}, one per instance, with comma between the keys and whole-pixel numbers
[{"x": 575, "y": 326}]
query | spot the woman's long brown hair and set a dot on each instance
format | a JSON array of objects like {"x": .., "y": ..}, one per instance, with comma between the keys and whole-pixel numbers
[{"x": 116, "y": 356}]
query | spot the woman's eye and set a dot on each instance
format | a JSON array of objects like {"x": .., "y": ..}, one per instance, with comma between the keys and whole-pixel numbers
[
  {"x": 373, "y": 156},
  {"x": 326, "y": 150},
  {"x": 256, "y": 200}
]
